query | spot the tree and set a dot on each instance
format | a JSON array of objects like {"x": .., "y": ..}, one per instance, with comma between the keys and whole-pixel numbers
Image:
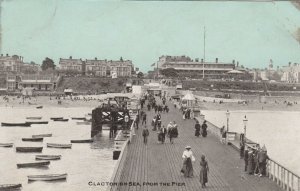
[
  {"x": 121, "y": 59},
  {"x": 48, "y": 63},
  {"x": 169, "y": 72},
  {"x": 140, "y": 75}
]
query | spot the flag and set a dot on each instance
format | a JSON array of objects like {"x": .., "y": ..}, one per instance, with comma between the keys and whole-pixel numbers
[{"x": 153, "y": 64}]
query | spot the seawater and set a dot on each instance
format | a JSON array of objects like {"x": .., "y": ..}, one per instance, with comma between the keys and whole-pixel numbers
[
  {"x": 83, "y": 163},
  {"x": 278, "y": 130}
]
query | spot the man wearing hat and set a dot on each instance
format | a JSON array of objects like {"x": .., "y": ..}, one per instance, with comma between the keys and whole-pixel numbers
[{"x": 262, "y": 161}]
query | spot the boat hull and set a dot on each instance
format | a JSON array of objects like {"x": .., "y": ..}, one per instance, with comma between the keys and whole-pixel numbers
[
  {"x": 33, "y": 164},
  {"x": 47, "y": 157},
  {"x": 53, "y": 118},
  {"x": 34, "y": 118},
  {"x": 29, "y": 149},
  {"x": 40, "y": 139},
  {"x": 82, "y": 141},
  {"x": 49, "y": 177},
  {"x": 37, "y": 122},
  {"x": 42, "y": 135},
  {"x": 6, "y": 144},
  {"x": 59, "y": 146},
  {"x": 7, "y": 187},
  {"x": 78, "y": 118},
  {"x": 15, "y": 124},
  {"x": 62, "y": 120}
]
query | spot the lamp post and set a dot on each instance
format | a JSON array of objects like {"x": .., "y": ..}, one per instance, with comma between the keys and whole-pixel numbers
[
  {"x": 245, "y": 121},
  {"x": 227, "y": 116}
]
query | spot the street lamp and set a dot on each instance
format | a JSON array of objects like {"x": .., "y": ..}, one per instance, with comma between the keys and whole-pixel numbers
[
  {"x": 227, "y": 116},
  {"x": 245, "y": 121}
]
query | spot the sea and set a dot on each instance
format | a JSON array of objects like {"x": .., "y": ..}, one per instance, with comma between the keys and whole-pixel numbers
[
  {"x": 84, "y": 162},
  {"x": 279, "y": 131}
]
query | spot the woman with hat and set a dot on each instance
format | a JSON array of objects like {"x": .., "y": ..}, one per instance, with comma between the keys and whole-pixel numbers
[
  {"x": 188, "y": 157},
  {"x": 203, "y": 171},
  {"x": 204, "y": 129},
  {"x": 197, "y": 129}
]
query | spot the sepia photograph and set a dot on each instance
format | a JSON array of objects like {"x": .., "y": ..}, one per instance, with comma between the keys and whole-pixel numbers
[{"x": 149, "y": 95}]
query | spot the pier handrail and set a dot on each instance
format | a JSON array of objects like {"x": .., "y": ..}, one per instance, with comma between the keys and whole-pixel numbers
[{"x": 284, "y": 177}]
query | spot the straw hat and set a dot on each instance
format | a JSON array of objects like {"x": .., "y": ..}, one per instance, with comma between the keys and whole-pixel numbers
[{"x": 188, "y": 147}]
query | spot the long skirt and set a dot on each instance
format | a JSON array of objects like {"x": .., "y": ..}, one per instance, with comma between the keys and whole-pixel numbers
[
  {"x": 203, "y": 176},
  {"x": 187, "y": 168}
]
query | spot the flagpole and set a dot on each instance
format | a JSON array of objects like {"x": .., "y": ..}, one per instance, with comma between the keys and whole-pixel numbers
[{"x": 203, "y": 54}]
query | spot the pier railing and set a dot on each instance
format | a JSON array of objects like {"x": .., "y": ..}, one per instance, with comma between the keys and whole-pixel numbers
[{"x": 285, "y": 178}]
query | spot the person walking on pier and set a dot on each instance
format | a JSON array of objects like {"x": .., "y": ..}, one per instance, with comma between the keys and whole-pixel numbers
[
  {"x": 164, "y": 131},
  {"x": 203, "y": 171},
  {"x": 188, "y": 157},
  {"x": 197, "y": 129},
  {"x": 144, "y": 121},
  {"x": 204, "y": 129},
  {"x": 145, "y": 134},
  {"x": 246, "y": 156},
  {"x": 262, "y": 161}
]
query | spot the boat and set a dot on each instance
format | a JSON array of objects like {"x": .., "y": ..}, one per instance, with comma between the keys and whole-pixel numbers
[
  {"x": 38, "y": 139},
  {"x": 78, "y": 118},
  {"x": 47, "y": 157},
  {"x": 42, "y": 135},
  {"x": 37, "y": 122},
  {"x": 6, "y": 144},
  {"x": 82, "y": 141},
  {"x": 29, "y": 149},
  {"x": 47, "y": 177},
  {"x": 34, "y": 118},
  {"x": 39, "y": 107},
  {"x": 62, "y": 146},
  {"x": 16, "y": 124},
  {"x": 33, "y": 164},
  {"x": 83, "y": 123},
  {"x": 61, "y": 120},
  {"x": 8, "y": 187},
  {"x": 53, "y": 118}
]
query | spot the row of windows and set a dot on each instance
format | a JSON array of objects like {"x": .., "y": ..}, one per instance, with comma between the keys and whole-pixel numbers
[{"x": 197, "y": 66}]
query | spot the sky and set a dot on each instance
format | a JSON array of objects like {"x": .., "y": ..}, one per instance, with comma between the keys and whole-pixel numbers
[{"x": 142, "y": 31}]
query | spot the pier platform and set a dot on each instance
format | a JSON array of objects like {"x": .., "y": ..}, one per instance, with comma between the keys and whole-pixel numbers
[{"x": 156, "y": 166}]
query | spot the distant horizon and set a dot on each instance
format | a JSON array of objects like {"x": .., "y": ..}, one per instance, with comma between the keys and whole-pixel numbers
[{"x": 144, "y": 31}]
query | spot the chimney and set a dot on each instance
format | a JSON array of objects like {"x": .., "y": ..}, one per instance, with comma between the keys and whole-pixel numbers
[
  {"x": 196, "y": 59},
  {"x": 290, "y": 63},
  {"x": 217, "y": 60},
  {"x": 95, "y": 58},
  {"x": 6, "y": 54},
  {"x": 233, "y": 61},
  {"x": 202, "y": 60},
  {"x": 70, "y": 57}
]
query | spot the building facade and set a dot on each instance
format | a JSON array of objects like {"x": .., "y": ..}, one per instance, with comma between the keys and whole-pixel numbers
[
  {"x": 291, "y": 73},
  {"x": 71, "y": 64},
  {"x": 190, "y": 68},
  {"x": 10, "y": 63}
]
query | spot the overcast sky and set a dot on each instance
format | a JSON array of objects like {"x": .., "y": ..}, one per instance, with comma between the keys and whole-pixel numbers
[{"x": 252, "y": 33}]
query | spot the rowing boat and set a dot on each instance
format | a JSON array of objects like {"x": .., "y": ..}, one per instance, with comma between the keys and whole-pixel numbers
[
  {"x": 38, "y": 139},
  {"x": 6, "y": 144},
  {"x": 37, "y": 122},
  {"x": 47, "y": 177},
  {"x": 7, "y": 187},
  {"x": 53, "y": 118},
  {"x": 34, "y": 118},
  {"x": 42, "y": 135},
  {"x": 83, "y": 123},
  {"x": 16, "y": 124},
  {"x": 82, "y": 141},
  {"x": 47, "y": 157},
  {"x": 29, "y": 149},
  {"x": 33, "y": 164},
  {"x": 62, "y": 146},
  {"x": 39, "y": 107},
  {"x": 61, "y": 120},
  {"x": 78, "y": 118}
]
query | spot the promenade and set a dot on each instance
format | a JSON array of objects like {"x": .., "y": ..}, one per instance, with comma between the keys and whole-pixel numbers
[{"x": 156, "y": 166}]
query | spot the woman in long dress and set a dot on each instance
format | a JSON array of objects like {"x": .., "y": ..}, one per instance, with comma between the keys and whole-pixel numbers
[
  {"x": 204, "y": 129},
  {"x": 188, "y": 157},
  {"x": 203, "y": 171},
  {"x": 197, "y": 129}
]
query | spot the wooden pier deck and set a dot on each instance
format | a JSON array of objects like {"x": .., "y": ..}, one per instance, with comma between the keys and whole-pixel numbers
[{"x": 156, "y": 166}]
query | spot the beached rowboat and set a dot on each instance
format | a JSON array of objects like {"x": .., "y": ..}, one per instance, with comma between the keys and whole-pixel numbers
[
  {"x": 37, "y": 122},
  {"x": 47, "y": 177},
  {"x": 42, "y": 135},
  {"x": 39, "y": 139},
  {"x": 47, "y": 157},
  {"x": 15, "y": 124},
  {"x": 29, "y": 149},
  {"x": 33, "y": 164},
  {"x": 39, "y": 107},
  {"x": 83, "y": 123},
  {"x": 61, "y": 120},
  {"x": 34, "y": 118},
  {"x": 82, "y": 141},
  {"x": 78, "y": 118},
  {"x": 7, "y": 187},
  {"x": 6, "y": 144},
  {"x": 62, "y": 146}
]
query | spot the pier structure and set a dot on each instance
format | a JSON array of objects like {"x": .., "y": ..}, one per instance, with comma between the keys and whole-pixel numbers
[{"x": 156, "y": 166}]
